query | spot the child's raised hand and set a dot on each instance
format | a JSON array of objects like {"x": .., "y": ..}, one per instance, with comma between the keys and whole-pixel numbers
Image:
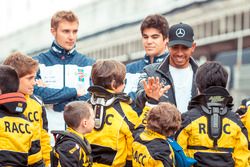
[{"x": 154, "y": 88}]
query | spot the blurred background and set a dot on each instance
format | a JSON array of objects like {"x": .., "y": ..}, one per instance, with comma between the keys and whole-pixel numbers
[{"x": 110, "y": 29}]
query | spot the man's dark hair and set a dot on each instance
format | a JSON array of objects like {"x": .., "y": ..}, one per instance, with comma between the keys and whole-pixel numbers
[
  {"x": 156, "y": 21},
  {"x": 209, "y": 74},
  {"x": 9, "y": 81}
]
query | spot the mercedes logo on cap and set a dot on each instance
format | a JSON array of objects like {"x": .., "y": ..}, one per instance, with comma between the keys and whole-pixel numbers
[{"x": 180, "y": 32}]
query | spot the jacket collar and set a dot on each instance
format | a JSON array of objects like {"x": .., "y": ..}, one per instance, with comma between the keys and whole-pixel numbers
[
  {"x": 75, "y": 132},
  {"x": 13, "y": 103},
  {"x": 214, "y": 94},
  {"x": 149, "y": 132},
  {"x": 109, "y": 95},
  {"x": 61, "y": 52},
  {"x": 157, "y": 59}
]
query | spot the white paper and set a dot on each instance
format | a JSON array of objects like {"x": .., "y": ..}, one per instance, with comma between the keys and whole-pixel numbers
[
  {"x": 132, "y": 82},
  {"x": 52, "y": 76},
  {"x": 75, "y": 77}
]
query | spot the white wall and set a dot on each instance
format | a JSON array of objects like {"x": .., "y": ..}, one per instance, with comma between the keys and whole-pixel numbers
[{"x": 94, "y": 17}]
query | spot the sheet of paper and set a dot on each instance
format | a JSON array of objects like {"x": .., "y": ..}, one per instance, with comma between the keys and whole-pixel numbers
[
  {"x": 132, "y": 82},
  {"x": 77, "y": 77},
  {"x": 52, "y": 76}
]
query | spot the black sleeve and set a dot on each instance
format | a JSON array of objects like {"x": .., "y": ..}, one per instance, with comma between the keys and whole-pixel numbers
[{"x": 69, "y": 154}]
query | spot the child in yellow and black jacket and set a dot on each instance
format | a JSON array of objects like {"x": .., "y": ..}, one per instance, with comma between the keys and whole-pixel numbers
[
  {"x": 150, "y": 147},
  {"x": 35, "y": 111},
  {"x": 244, "y": 113},
  {"x": 210, "y": 132},
  {"x": 115, "y": 120},
  {"x": 71, "y": 147},
  {"x": 18, "y": 137}
]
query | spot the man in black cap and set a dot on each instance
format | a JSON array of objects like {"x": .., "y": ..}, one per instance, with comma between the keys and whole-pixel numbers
[{"x": 172, "y": 79}]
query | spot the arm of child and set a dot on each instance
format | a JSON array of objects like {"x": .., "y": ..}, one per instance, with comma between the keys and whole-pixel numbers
[
  {"x": 241, "y": 152},
  {"x": 45, "y": 138},
  {"x": 69, "y": 154},
  {"x": 35, "y": 147}
]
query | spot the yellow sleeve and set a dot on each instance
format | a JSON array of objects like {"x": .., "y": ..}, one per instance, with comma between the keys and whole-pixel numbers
[
  {"x": 35, "y": 147},
  {"x": 182, "y": 135},
  {"x": 241, "y": 153},
  {"x": 182, "y": 140},
  {"x": 246, "y": 121},
  {"x": 144, "y": 114},
  {"x": 45, "y": 138},
  {"x": 129, "y": 140},
  {"x": 134, "y": 119}
]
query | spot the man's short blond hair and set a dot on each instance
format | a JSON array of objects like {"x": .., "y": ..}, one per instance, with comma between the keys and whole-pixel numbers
[{"x": 63, "y": 16}]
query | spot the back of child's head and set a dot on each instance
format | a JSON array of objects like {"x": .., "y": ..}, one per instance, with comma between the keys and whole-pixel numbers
[
  {"x": 106, "y": 72},
  {"x": 9, "y": 81},
  {"x": 22, "y": 63},
  {"x": 164, "y": 119},
  {"x": 210, "y": 74},
  {"x": 75, "y": 112}
]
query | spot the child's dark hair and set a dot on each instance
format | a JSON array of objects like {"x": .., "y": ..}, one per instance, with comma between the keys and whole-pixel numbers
[
  {"x": 75, "y": 111},
  {"x": 104, "y": 72},
  {"x": 9, "y": 81},
  {"x": 22, "y": 63},
  {"x": 164, "y": 119},
  {"x": 210, "y": 74}
]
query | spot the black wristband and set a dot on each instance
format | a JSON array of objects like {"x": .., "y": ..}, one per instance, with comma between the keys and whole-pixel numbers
[{"x": 151, "y": 100}]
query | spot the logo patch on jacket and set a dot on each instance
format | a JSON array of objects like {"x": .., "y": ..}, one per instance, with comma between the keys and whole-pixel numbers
[
  {"x": 216, "y": 99},
  {"x": 19, "y": 107}
]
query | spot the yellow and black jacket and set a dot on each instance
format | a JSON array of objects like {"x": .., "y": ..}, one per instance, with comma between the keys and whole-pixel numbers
[
  {"x": 111, "y": 143},
  {"x": 144, "y": 114},
  {"x": 18, "y": 137},
  {"x": 246, "y": 120},
  {"x": 245, "y": 117},
  {"x": 71, "y": 150},
  {"x": 152, "y": 149},
  {"x": 36, "y": 113},
  {"x": 218, "y": 139}
]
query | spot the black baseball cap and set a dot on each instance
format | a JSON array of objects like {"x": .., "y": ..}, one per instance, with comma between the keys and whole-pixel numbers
[{"x": 181, "y": 34}]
